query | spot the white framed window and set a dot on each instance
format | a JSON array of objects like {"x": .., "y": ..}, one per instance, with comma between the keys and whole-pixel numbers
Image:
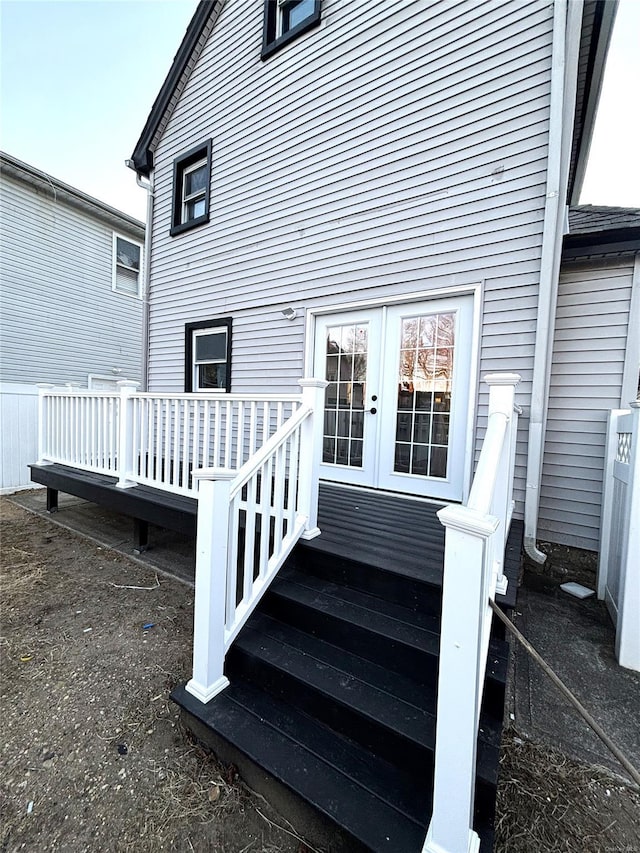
[
  {"x": 208, "y": 355},
  {"x": 191, "y": 177},
  {"x": 127, "y": 263}
]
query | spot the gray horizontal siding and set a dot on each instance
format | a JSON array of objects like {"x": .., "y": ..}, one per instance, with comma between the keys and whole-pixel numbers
[
  {"x": 397, "y": 149},
  {"x": 586, "y": 381},
  {"x": 60, "y": 318}
]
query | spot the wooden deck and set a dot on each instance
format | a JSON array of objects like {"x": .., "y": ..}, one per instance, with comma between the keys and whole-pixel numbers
[{"x": 386, "y": 531}]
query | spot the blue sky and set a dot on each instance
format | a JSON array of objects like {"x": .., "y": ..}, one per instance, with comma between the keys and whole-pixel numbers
[{"x": 78, "y": 79}]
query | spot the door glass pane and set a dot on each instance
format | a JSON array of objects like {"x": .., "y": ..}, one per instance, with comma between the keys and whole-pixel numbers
[
  {"x": 424, "y": 394},
  {"x": 346, "y": 371}
]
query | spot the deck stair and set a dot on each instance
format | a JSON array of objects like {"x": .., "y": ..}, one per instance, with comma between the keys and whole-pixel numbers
[{"x": 333, "y": 692}]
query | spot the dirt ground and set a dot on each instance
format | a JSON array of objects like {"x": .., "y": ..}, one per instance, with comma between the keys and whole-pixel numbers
[{"x": 93, "y": 757}]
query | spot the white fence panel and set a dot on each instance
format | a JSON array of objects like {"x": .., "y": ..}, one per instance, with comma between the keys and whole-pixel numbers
[
  {"x": 18, "y": 435},
  {"x": 619, "y": 568}
]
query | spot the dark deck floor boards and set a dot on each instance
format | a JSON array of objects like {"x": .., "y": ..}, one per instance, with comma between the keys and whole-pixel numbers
[
  {"x": 393, "y": 532},
  {"x": 383, "y": 530}
]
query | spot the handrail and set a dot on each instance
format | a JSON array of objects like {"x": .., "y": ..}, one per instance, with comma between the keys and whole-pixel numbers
[
  {"x": 249, "y": 520},
  {"x": 486, "y": 476},
  {"x": 57, "y": 391},
  {"x": 223, "y": 398},
  {"x": 475, "y": 541}
]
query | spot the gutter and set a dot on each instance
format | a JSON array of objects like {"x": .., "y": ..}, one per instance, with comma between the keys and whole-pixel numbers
[
  {"x": 567, "y": 25},
  {"x": 146, "y": 275},
  {"x": 612, "y": 241}
]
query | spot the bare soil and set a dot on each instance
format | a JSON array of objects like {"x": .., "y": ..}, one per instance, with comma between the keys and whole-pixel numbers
[{"x": 93, "y": 756}]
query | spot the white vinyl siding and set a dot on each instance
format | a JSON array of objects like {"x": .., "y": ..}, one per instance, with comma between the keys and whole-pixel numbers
[
  {"x": 396, "y": 149},
  {"x": 61, "y": 319},
  {"x": 586, "y": 382}
]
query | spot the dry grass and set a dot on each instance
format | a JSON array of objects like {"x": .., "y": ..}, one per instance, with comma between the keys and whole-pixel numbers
[
  {"x": 20, "y": 573},
  {"x": 546, "y": 802}
]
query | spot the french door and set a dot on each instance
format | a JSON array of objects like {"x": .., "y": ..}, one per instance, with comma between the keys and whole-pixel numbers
[{"x": 397, "y": 403}]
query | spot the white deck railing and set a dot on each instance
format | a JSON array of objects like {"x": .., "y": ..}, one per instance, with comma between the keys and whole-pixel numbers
[
  {"x": 79, "y": 428},
  {"x": 248, "y": 522},
  {"x": 159, "y": 440},
  {"x": 475, "y": 540},
  {"x": 618, "y": 572}
]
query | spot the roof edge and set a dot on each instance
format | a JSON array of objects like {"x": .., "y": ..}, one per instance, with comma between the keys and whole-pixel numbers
[
  {"x": 20, "y": 171},
  {"x": 142, "y": 156},
  {"x": 611, "y": 241},
  {"x": 606, "y": 14}
]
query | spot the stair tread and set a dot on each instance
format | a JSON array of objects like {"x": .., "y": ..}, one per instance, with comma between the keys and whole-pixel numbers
[
  {"x": 426, "y": 622},
  {"x": 354, "y": 609},
  {"x": 409, "y": 690},
  {"x": 385, "y": 555},
  {"x": 373, "y": 773},
  {"x": 397, "y": 623},
  {"x": 336, "y": 793},
  {"x": 320, "y": 667}
]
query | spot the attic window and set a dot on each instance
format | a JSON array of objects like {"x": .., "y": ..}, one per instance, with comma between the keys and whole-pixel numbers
[
  {"x": 126, "y": 266},
  {"x": 285, "y": 20},
  {"x": 191, "y": 177}
]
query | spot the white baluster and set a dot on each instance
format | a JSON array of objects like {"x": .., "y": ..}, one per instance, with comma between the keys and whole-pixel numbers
[
  {"x": 228, "y": 432},
  {"x": 265, "y": 513},
  {"x": 249, "y": 539}
]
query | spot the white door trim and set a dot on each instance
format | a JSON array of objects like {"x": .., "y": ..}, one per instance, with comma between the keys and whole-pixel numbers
[{"x": 476, "y": 290}]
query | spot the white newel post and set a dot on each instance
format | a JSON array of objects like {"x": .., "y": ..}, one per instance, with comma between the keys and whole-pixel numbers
[
  {"x": 125, "y": 434},
  {"x": 211, "y": 582},
  {"x": 502, "y": 387},
  {"x": 43, "y": 387},
  {"x": 465, "y": 601},
  {"x": 310, "y": 453}
]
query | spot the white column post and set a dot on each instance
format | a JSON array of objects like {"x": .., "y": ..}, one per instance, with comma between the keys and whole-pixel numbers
[
  {"x": 43, "y": 387},
  {"x": 125, "y": 449},
  {"x": 212, "y": 546},
  {"x": 310, "y": 453},
  {"x": 502, "y": 400},
  {"x": 465, "y": 603},
  {"x": 628, "y": 628}
]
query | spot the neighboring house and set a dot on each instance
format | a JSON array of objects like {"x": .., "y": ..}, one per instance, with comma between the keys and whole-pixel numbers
[
  {"x": 71, "y": 272},
  {"x": 373, "y": 196},
  {"x": 595, "y": 367}
]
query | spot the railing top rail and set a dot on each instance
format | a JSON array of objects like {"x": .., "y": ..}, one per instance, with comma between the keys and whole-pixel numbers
[
  {"x": 78, "y": 392},
  {"x": 223, "y": 398},
  {"x": 486, "y": 476},
  {"x": 252, "y": 465}
]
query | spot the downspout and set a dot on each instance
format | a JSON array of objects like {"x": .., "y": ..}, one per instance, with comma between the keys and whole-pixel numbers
[
  {"x": 566, "y": 32},
  {"x": 148, "y": 186}
]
